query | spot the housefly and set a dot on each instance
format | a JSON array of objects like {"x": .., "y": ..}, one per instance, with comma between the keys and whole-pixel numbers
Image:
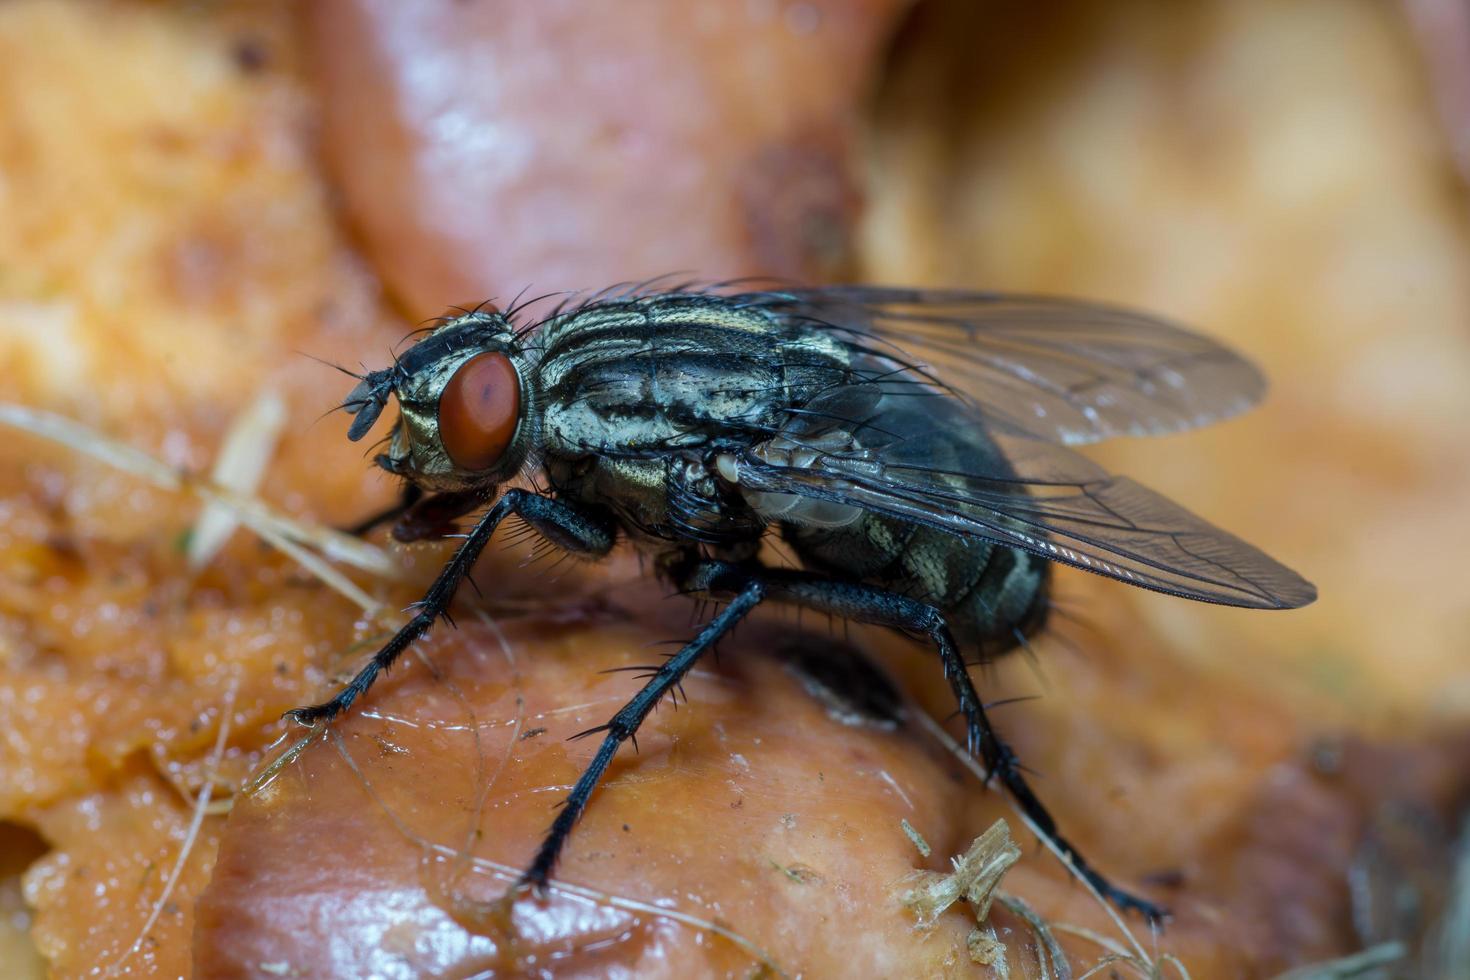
[{"x": 912, "y": 448}]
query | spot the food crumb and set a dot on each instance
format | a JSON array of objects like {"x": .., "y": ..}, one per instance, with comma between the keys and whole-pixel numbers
[
  {"x": 916, "y": 837},
  {"x": 976, "y": 875},
  {"x": 987, "y": 950}
]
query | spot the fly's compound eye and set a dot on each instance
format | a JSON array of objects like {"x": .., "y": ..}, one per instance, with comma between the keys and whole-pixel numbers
[{"x": 479, "y": 411}]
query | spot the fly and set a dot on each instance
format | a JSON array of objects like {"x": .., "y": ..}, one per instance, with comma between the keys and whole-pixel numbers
[{"x": 911, "y": 447}]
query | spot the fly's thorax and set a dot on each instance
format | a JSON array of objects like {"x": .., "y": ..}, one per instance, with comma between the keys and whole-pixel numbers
[
  {"x": 675, "y": 374},
  {"x": 467, "y": 403}
]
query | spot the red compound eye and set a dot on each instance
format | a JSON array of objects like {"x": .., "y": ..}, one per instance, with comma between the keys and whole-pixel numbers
[{"x": 479, "y": 411}]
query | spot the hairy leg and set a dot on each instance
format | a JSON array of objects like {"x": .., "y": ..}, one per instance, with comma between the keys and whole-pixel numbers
[
  {"x": 565, "y": 525},
  {"x": 626, "y": 722},
  {"x": 866, "y": 604}
]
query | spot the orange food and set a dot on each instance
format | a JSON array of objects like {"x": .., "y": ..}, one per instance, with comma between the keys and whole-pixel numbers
[
  {"x": 483, "y": 149},
  {"x": 171, "y": 243}
]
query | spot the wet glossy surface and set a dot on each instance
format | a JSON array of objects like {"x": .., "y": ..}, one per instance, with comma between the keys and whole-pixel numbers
[
  {"x": 164, "y": 257},
  {"x": 483, "y": 148},
  {"x": 397, "y": 830}
]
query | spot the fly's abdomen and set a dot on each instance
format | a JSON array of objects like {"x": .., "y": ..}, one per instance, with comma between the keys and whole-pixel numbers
[{"x": 990, "y": 594}]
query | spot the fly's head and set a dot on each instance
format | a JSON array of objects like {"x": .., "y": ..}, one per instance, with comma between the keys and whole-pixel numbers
[{"x": 463, "y": 405}]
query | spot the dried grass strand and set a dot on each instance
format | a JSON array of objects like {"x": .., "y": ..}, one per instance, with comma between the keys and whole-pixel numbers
[
  {"x": 239, "y": 466},
  {"x": 287, "y": 534},
  {"x": 1047, "y": 947},
  {"x": 191, "y": 836}
]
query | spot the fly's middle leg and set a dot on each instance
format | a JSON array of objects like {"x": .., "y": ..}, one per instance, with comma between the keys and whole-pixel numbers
[{"x": 625, "y": 724}]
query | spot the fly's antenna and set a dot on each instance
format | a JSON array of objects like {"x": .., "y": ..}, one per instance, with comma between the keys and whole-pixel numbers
[
  {"x": 352, "y": 404},
  {"x": 367, "y": 401}
]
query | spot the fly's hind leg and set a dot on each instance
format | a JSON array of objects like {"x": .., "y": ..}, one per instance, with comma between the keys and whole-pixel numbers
[
  {"x": 871, "y": 605},
  {"x": 568, "y": 527}
]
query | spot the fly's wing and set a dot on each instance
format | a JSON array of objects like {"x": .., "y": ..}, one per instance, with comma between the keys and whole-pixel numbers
[
  {"x": 883, "y": 447},
  {"x": 1060, "y": 370}
]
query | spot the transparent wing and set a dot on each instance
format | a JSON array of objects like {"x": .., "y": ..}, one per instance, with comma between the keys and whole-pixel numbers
[
  {"x": 1062, "y": 370},
  {"x": 933, "y": 461}
]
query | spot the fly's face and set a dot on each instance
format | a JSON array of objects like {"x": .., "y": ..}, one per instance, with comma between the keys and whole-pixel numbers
[{"x": 463, "y": 406}]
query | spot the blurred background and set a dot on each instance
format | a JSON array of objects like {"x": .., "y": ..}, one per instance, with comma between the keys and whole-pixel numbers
[{"x": 194, "y": 195}]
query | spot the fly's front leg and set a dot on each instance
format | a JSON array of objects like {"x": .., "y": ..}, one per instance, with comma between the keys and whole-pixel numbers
[
  {"x": 561, "y": 523},
  {"x": 417, "y": 517},
  {"x": 435, "y": 516},
  {"x": 411, "y": 494},
  {"x": 870, "y": 605}
]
